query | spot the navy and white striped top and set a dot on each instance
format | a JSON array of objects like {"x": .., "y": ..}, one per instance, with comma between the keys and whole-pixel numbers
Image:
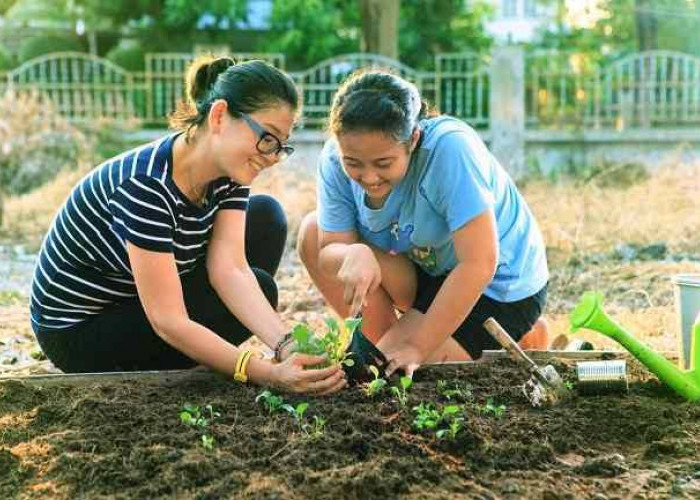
[{"x": 83, "y": 266}]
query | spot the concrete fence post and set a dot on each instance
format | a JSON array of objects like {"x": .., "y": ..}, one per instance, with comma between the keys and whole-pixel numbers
[{"x": 507, "y": 105}]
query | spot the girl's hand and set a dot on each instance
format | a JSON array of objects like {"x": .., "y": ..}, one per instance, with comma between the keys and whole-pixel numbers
[
  {"x": 360, "y": 274},
  {"x": 291, "y": 375},
  {"x": 404, "y": 357}
]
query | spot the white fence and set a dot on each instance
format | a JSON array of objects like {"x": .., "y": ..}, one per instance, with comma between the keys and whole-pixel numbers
[{"x": 562, "y": 90}]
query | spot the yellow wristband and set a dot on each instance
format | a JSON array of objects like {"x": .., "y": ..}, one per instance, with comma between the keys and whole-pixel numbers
[{"x": 241, "y": 373}]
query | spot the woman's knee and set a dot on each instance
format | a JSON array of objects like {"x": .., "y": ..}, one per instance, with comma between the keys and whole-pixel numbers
[
  {"x": 265, "y": 210},
  {"x": 307, "y": 239},
  {"x": 267, "y": 285}
]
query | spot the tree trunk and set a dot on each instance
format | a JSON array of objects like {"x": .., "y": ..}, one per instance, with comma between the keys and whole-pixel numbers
[
  {"x": 380, "y": 27},
  {"x": 647, "y": 25}
]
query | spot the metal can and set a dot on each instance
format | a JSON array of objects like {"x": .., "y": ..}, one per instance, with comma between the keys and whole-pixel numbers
[{"x": 602, "y": 377}]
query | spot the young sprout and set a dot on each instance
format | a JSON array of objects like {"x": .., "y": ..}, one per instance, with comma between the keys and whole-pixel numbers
[
  {"x": 273, "y": 402},
  {"x": 297, "y": 412},
  {"x": 454, "y": 391},
  {"x": 427, "y": 417},
  {"x": 195, "y": 416},
  {"x": 451, "y": 432},
  {"x": 374, "y": 386},
  {"x": 401, "y": 390},
  {"x": 333, "y": 344},
  {"x": 208, "y": 442},
  {"x": 445, "y": 422},
  {"x": 317, "y": 428},
  {"x": 491, "y": 408}
]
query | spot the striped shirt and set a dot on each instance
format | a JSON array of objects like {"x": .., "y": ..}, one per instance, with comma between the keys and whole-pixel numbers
[{"x": 83, "y": 266}]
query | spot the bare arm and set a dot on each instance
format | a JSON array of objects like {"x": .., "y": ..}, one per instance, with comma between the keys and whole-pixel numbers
[
  {"x": 234, "y": 281},
  {"x": 476, "y": 248}
]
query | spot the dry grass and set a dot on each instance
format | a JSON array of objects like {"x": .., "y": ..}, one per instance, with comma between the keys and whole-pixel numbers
[{"x": 577, "y": 222}]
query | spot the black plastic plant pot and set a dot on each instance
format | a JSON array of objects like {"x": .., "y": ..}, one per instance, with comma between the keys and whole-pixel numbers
[{"x": 363, "y": 354}]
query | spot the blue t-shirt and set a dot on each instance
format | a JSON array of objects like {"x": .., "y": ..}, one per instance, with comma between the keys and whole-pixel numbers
[{"x": 452, "y": 178}]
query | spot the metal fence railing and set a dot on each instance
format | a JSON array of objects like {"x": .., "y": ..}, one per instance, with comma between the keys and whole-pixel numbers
[{"x": 562, "y": 90}]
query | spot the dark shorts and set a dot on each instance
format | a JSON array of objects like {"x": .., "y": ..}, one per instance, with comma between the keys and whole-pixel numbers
[{"x": 517, "y": 318}]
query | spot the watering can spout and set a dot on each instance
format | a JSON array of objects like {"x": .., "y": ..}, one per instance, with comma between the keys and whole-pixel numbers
[{"x": 589, "y": 314}]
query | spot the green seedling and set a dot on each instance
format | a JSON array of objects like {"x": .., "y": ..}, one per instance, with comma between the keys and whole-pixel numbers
[
  {"x": 333, "y": 344},
  {"x": 202, "y": 417},
  {"x": 454, "y": 391},
  {"x": 273, "y": 402},
  {"x": 401, "y": 390},
  {"x": 446, "y": 422},
  {"x": 374, "y": 386},
  {"x": 569, "y": 385},
  {"x": 208, "y": 442},
  {"x": 297, "y": 412},
  {"x": 317, "y": 428},
  {"x": 491, "y": 408},
  {"x": 451, "y": 432},
  {"x": 194, "y": 416}
]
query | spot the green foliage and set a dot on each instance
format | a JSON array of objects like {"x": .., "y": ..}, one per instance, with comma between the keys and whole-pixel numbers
[
  {"x": 10, "y": 297},
  {"x": 455, "y": 391},
  {"x": 446, "y": 423},
  {"x": 429, "y": 27},
  {"x": 309, "y": 31},
  {"x": 35, "y": 47},
  {"x": 273, "y": 402},
  {"x": 375, "y": 386},
  {"x": 202, "y": 418},
  {"x": 492, "y": 409},
  {"x": 332, "y": 344},
  {"x": 401, "y": 390},
  {"x": 297, "y": 412},
  {"x": 129, "y": 54},
  {"x": 6, "y": 60}
]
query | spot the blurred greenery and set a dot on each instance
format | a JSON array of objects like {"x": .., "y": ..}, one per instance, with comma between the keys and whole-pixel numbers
[
  {"x": 129, "y": 54},
  {"x": 35, "y": 47}
]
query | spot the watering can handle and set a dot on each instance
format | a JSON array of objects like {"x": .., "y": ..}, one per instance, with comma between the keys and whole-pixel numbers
[{"x": 507, "y": 342}]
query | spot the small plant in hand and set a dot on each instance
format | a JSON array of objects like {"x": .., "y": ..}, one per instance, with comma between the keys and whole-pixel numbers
[
  {"x": 202, "y": 417},
  {"x": 273, "y": 402},
  {"x": 375, "y": 386},
  {"x": 401, "y": 390},
  {"x": 333, "y": 344}
]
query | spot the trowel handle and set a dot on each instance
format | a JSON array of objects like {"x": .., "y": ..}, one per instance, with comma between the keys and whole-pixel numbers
[{"x": 507, "y": 342}]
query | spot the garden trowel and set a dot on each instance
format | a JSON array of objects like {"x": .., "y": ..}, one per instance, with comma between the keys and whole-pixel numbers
[
  {"x": 545, "y": 387},
  {"x": 363, "y": 354}
]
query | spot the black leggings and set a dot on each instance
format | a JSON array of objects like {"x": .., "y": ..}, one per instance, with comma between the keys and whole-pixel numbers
[{"x": 121, "y": 337}]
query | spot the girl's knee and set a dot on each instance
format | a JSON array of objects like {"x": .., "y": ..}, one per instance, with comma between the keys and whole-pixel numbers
[{"x": 307, "y": 239}]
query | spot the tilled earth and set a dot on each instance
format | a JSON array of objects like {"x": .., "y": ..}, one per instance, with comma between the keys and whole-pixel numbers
[{"x": 125, "y": 440}]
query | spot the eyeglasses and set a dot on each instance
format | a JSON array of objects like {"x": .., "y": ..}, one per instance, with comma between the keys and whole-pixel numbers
[{"x": 268, "y": 143}]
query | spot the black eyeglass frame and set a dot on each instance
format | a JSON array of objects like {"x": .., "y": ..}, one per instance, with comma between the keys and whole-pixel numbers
[{"x": 279, "y": 148}]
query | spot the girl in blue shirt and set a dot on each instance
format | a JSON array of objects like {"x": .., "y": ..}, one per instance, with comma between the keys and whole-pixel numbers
[{"x": 416, "y": 215}]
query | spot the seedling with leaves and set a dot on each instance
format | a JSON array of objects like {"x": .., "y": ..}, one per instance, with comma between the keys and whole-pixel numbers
[
  {"x": 333, "y": 344},
  {"x": 491, "y": 408},
  {"x": 374, "y": 386},
  {"x": 401, "y": 390},
  {"x": 316, "y": 428},
  {"x": 446, "y": 422},
  {"x": 273, "y": 402},
  {"x": 455, "y": 391},
  {"x": 202, "y": 417},
  {"x": 297, "y": 412}
]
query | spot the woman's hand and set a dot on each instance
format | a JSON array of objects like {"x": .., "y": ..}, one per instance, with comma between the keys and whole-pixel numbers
[
  {"x": 403, "y": 356},
  {"x": 360, "y": 274},
  {"x": 291, "y": 375}
]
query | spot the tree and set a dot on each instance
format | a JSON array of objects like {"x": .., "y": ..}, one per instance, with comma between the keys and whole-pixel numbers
[
  {"x": 380, "y": 23},
  {"x": 308, "y": 31}
]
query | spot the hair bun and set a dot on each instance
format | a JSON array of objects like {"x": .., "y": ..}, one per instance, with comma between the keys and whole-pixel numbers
[{"x": 203, "y": 75}]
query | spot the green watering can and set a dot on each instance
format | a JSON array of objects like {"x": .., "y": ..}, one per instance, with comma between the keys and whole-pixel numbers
[{"x": 589, "y": 314}]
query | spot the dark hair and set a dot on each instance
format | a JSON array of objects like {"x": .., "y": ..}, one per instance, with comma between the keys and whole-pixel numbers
[
  {"x": 377, "y": 101},
  {"x": 246, "y": 87}
]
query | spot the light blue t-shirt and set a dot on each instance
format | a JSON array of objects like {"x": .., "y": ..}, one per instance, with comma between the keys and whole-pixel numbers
[{"x": 452, "y": 178}]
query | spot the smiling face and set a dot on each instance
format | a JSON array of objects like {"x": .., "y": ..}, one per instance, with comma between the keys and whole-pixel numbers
[
  {"x": 375, "y": 160},
  {"x": 234, "y": 141}
]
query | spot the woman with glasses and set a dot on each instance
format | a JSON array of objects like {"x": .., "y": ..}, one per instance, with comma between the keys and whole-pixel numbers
[
  {"x": 415, "y": 215},
  {"x": 159, "y": 259}
]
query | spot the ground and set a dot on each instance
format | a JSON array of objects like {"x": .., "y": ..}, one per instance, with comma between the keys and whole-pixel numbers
[{"x": 625, "y": 240}]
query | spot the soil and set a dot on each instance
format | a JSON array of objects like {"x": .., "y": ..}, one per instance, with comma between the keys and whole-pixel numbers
[{"x": 125, "y": 440}]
